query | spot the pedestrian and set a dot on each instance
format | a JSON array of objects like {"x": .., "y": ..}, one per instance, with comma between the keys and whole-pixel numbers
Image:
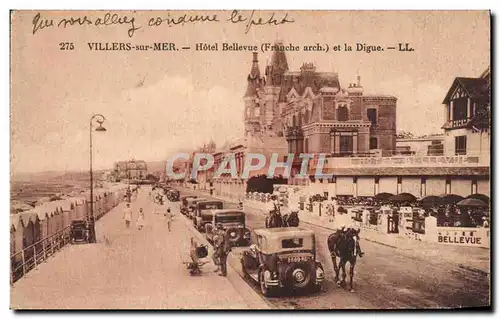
[
  {"x": 127, "y": 215},
  {"x": 140, "y": 219},
  {"x": 169, "y": 216},
  {"x": 222, "y": 247},
  {"x": 366, "y": 217}
]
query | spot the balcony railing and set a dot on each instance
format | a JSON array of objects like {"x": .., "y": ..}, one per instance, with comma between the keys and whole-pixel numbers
[
  {"x": 456, "y": 123},
  {"x": 407, "y": 161}
]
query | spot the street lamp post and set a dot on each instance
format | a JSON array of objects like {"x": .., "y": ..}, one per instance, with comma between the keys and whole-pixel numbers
[{"x": 99, "y": 119}]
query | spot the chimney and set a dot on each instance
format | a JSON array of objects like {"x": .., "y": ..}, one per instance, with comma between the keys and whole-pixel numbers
[
  {"x": 359, "y": 81},
  {"x": 255, "y": 57}
]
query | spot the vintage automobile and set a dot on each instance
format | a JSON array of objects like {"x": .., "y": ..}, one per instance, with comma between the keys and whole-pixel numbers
[
  {"x": 184, "y": 203},
  {"x": 204, "y": 212},
  {"x": 191, "y": 206},
  {"x": 79, "y": 232},
  {"x": 233, "y": 222},
  {"x": 173, "y": 195},
  {"x": 283, "y": 258}
]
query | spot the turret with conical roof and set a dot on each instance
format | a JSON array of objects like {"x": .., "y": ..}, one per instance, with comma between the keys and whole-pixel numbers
[
  {"x": 278, "y": 66},
  {"x": 254, "y": 81}
]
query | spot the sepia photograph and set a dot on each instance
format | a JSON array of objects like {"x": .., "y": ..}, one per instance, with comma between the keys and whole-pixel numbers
[{"x": 250, "y": 160}]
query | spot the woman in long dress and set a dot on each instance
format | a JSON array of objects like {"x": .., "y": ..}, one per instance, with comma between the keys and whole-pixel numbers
[{"x": 140, "y": 219}]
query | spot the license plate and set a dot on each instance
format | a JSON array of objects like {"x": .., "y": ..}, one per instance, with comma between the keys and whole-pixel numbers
[{"x": 297, "y": 259}]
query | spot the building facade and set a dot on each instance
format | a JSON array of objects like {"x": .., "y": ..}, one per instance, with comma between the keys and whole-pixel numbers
[
  {"x": 315, "y": 113},
  {"x": 132, "y": 169},
  {"x": 461, "y": 165}
]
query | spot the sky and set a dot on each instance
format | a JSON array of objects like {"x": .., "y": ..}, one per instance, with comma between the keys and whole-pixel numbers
[{"x": 156, "y": 102}]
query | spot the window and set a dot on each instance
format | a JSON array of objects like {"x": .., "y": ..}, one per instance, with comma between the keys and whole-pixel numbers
[
  {"x": 372, "y": 116},
  {"x": 292, "y": 243},
  {"x": 373, "y": 143},
  {"x": 461, "y": 145},
  {"x": 346, "y": 145},
  {"x": 256, "y": 111},
  {"x": 306, "y": 145},
  {"x": 306, "y": 117},
  {"x": 459, "y": 109},
  {"x": 342, "y": 113},
  {"x": 294, "y": 122}
]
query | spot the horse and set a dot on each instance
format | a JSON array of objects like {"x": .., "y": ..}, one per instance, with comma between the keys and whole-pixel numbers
[
  {"x": 275, "y": 220},
  {"x": 343, "y": 245},
  {"x": 291, "y": 219}
]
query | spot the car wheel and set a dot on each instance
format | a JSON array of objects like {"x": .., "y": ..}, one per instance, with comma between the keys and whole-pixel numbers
[
  {"x": 298, "y": 276},
  {"x": 266, "y": 291},
  {"x": 243, "y": 270}
]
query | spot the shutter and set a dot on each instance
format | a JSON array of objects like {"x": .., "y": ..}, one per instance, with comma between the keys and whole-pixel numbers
[
  {"x": 461, "y": 187},
  {"x": 435, "y": 186},
  {"x": 483, "y": 187},
  {"x": 388, "y": 185},
  {"x": 366, "y": 186},
  {"x": 345, "y": 186},
  {"x": 412, "y": 185}
]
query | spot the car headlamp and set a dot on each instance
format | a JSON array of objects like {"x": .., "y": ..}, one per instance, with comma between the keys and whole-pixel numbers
[
  {"x": 319, "y": 273},
  {"x": 267, "y": 275}
]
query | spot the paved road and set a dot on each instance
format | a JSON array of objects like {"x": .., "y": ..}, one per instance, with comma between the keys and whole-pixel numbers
[
  {"x": 127, "y": 269},
  {"x": 385, "y": 278}
]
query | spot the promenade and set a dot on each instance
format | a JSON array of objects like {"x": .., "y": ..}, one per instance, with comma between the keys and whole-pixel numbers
[{"x": 129, "y": 269}]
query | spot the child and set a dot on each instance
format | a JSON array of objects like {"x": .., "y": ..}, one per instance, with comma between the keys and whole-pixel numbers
[
  {"x": 169, "y": 216},
  {"x": 140, "y": 219}
]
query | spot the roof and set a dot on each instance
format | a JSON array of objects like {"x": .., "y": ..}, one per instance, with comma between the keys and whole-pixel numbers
[
  {"x": 254, "y": 79},
  {"x": 228, "y": 211},
  {"x": 476, "y": 88},
  {"x": 197, "y": 199},
  {"x": 378, "y": 96},
  {"x": 314, "y": 80},
  {"x": 283, "y": 231},
  {"x": 211, "y": 201}
]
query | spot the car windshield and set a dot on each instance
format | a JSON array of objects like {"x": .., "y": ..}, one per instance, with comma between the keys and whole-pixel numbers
[{"x": 229, "y": 219}]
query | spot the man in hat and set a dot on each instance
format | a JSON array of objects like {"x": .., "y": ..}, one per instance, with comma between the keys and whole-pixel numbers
[{"x": 222, "y": 247}]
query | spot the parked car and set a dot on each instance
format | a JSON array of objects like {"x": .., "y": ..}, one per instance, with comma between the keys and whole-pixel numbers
[
  {"x": 283, "y": 258},
  {"x": 204, "y": 212},
  {"x": 191, "y": 206},
  {"x": 233, "y": 222},
  {"x": 79, "y": 232},
  {"x": 184, "y": 203},
  {"x": 173, "y": 195}
]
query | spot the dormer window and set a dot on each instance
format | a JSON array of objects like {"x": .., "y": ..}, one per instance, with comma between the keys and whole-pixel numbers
[
  {"x": 342, "y": 113},
  {"x": 459, "y": 109},
  {"x": 256, "y": 111}
]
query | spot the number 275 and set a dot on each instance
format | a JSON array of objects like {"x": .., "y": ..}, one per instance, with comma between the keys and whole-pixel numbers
[{"x": 66, "y": 46}]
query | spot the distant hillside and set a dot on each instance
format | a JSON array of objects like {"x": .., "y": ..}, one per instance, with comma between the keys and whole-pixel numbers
[{"x": 53, "y": 176}]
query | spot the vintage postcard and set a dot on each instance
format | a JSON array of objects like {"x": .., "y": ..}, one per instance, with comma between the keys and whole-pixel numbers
[{"x": 250, "y": 160}]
